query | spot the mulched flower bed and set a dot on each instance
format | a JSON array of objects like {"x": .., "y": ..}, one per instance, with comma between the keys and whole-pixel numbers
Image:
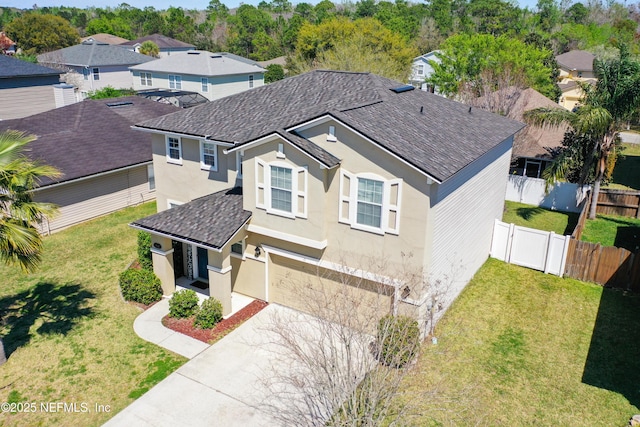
[{"x": 185, "y": 326}]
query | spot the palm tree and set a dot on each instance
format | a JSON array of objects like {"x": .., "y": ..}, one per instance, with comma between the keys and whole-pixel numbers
[
  {"x": 607, "y": 107},
  {"x": 20, "y": 241},
  {"x": 150, "y": 48}
]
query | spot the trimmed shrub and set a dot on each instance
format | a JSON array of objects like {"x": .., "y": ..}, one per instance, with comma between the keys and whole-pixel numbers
[
  {"x": 144, "y": 250},
  {"x": 398, "y": 340},
  {"x": 209, "y": 314},
  {"x": 140, "y": 286},
  {"x": 183, "y": 304}
]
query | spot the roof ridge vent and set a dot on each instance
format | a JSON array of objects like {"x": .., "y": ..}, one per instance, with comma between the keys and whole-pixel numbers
[{"x": 403, "y": 88}]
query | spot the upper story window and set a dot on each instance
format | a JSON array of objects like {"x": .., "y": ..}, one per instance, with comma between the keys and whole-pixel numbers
[
  {"x": 369, "y": 202},
  {"x": 205, "y": 84},
  {"x": 579, "y": 74},
  {"x": 251, "y": 81},
  {"x": 151, "y": 177},
  {"x": 239, "y": 159},
  {"x": 145, "y": 79},
  {"x": 174, "y": 150},
  {"x": 281, "y": 188},
  {"x": 208, "y": 156},
  {"x": 85, "y": 73},
  {"x": 420, "y": 69},
  {"x": 175, "y": 82},
  {"x": 96, "y": 74}
]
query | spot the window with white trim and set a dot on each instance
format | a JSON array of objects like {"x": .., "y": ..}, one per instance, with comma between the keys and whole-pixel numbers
[
  {"x": 175, "y": 82},
  {"x": 205, "y": 84},
  {"x": 96, "y": 74},
  {"x": 237, "y": 248},
  {"x": 421, "y": 69},
  {"x": 208, "y": 156},
  {"x": 251, "y": 81},
  {"x": 145, "y": 79},
  {"x": 369, "y": 202},
  {"x": 174, "y": 150},
  {"x": 151, "y": 177},
  {"x": 239, "y": 159},
  {"x": 281, "y": 188},
  {"x": 85, "y": 73}
]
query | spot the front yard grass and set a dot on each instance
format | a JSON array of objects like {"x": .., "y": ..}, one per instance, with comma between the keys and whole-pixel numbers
[
  {"x": 539, "y": 218},
  {"x": 68, "y": 333},
  {"x": 522, "y": 348}
]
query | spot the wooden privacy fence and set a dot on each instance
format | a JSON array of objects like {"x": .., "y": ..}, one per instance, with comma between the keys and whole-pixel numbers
[
  {"x": 607, "y": 265},
  {"x": 619, "y": 202}
]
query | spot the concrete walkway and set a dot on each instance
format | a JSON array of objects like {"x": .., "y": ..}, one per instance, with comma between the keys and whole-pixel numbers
[{"x": 149, "y": 327}]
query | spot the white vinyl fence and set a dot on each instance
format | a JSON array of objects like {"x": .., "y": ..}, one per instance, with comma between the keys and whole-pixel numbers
[
  {"x": 563, "y": 196},
  {"x": 541, "y": 250}
]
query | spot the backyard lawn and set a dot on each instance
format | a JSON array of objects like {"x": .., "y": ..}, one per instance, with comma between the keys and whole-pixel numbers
[
  {"x": 522, "y": 348},
  {"x": 539, "y": 218},
  {"x": 626, "y": 175},
  {"x": 68, "y": 333}
]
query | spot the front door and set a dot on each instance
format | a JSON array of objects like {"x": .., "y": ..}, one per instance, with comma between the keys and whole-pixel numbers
[
  {"x": 178, "y": 266},
  {"x": 203, "y": 261}
]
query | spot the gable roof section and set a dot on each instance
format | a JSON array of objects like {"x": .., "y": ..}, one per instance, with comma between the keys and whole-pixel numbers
[
  {"x": 441, "y": 140},
  {"x": 202, "y": 63},
  {"x": 580, "y": 60},
  {"x": 94, "y": 54},
  {"x": 105, "y": 38},
  {"x": 90, "y": 137},
  {"x": 209, "y": 221},
  {"x": 14, "y": 67},
  {"x": 163, "y": 42}
]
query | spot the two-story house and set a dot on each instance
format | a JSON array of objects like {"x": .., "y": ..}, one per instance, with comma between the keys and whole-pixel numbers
[
  {"x": 319, "y": 174},
  {"x": 166, "y": 45},
  {"x": 212, "y": 75},
  {"x": 94, "y": 65},
  {"x": 421, "y": 69},
  {"x": 575, "y": 66}
]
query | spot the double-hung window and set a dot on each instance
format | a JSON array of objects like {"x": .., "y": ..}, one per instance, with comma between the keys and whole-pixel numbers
[
  {"x": 174, "y": 150},
  {"x": 251, "y": 81},
  {"x": 208, "y": 156},
  {"x": 96, "y": 74},
  {"x": 145, "y": 79},
  {"x": 205, "y": 84},
  {"x": 281, "y": 188},
  {"x": 175, "y": 82},
  {"x": 420, "y": 69},
  {"x": 85, "y": 73},
  {"x": 370, "y": 202}
]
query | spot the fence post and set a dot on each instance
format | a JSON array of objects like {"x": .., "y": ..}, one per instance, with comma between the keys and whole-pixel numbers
[
  {"x": 548, "y": 254},
  {"x": 510, "y": 242},
  {"x": 565, "y": 254}
]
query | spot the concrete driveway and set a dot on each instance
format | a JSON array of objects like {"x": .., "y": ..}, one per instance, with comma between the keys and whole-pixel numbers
[{"x": 221, "y": 386}]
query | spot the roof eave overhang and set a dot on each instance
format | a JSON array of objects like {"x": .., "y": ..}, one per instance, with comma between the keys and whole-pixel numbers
[{"x": 182, "y": 135}]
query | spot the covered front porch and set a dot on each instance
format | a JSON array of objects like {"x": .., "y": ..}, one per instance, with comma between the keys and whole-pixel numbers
[{"x": 191, "y": 246}]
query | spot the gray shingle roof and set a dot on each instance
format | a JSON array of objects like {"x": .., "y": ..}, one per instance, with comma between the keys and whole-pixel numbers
[
  {"x": 89, "y": 137},
  {"x": 163, "y": 42},
  {"x": 441, "y": 140},
  {"x": 94, "y": 54},
  {"x": 202, "y": 63},
  {"x": 580, "y": 60},
  {"x": 14, "y": 67},
  {"x": 209, "y": 221}
]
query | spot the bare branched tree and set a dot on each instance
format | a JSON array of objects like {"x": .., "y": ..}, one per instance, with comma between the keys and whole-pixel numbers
[{"x": 341, "y": 359}]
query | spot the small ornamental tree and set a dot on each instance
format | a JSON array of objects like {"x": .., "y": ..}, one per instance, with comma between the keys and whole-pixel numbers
[{"x": 183, "y": 304}]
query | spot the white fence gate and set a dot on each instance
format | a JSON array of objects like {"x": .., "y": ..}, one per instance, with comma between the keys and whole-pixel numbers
[{"x": 541, "y": 250}]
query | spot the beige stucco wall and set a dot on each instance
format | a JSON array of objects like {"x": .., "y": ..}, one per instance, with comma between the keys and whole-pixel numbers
[{"x": 185, "y": 182}]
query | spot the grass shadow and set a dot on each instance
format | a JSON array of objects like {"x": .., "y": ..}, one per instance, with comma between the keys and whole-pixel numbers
[
  {"x": 572, "y": 222},
  {"x": 628, "y": 238},
  {"x": 627, "y": 172},
  {"x": 55, "y": 309},
  {"x": 613, "y": 361},
  {"x": 528, "y": 213}
]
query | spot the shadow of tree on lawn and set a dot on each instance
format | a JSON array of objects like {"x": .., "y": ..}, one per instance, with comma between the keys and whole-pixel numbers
[
  {"x": 56, "y": 309},
  {"x": 613, "y": 361},
  {"x": 528, "y": 213}
]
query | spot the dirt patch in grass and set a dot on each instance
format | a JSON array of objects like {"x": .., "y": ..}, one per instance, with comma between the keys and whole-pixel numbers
[{"x": 185, "y": 326}]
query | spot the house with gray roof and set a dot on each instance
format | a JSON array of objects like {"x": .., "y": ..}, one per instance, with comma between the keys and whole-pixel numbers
[
  {"x": 575, "y": 67},
  {"x": 105, "y": 165},
  {"x": 421, "y": 69},
  {"x": 25, "y": 88},
  {"x": 212, "y": 75},
  {"x": 328, "y": 179},
  {"x": 90, "y": 66},
  {"x": 166, "y": 45}
]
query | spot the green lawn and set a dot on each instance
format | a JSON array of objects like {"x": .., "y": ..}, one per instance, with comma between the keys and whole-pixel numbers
[
  {"x": 611, "y": 230},
  {"x": 68, "y": 332},
  {"x": 539, "y": 218},
  {"x": 521, "y": 348},
  {"x": 626, "y": 175}
]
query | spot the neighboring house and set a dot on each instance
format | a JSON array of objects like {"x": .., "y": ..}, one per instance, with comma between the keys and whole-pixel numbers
[
  {"x": 421, "y": 69},
  {"x": 326, "y": 173},
  {"x": 575, "y": 66},
  {"x": 105, "y": 38},
  {"x": 94, "y": 65},
  {"x": 212, "y": 75},
  {"x": 105, "y": 164},
  {"x": 166, "y": 45},
  {"x": 25, "y": 88},
  {"x": 7, "y": 46}
]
